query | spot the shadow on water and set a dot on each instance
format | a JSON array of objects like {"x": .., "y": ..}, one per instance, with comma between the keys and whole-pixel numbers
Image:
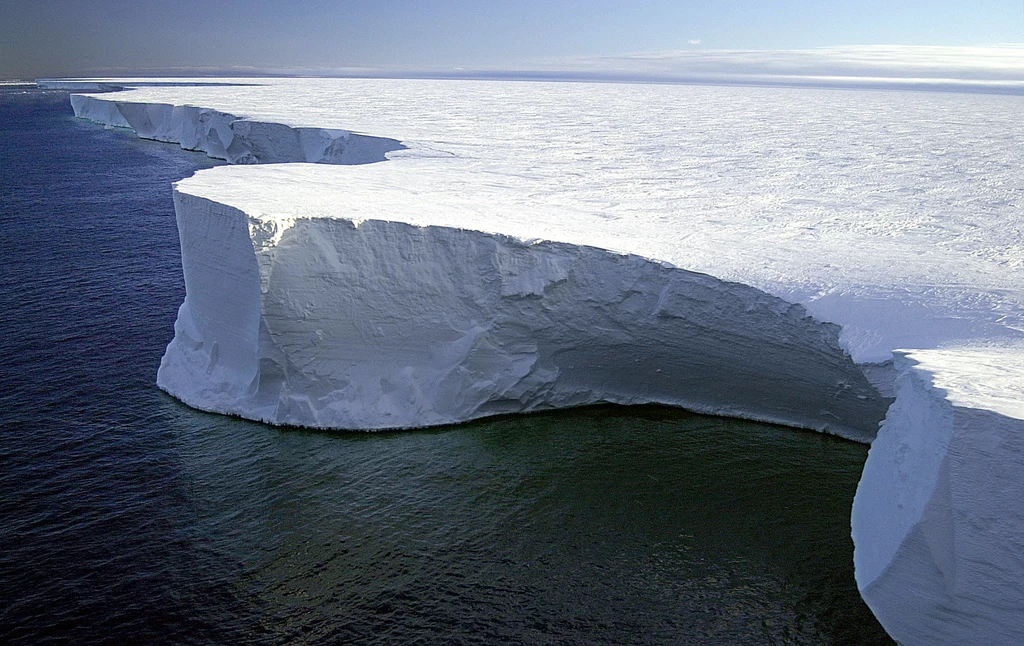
[
  {"x": 600, "y": 524},
  {"x": 127, "y": 517}
]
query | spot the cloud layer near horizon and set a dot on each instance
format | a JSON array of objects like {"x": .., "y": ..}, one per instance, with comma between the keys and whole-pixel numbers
[
  {"x": 994, "y": 63},
  {"x": 997, "y": 68}
]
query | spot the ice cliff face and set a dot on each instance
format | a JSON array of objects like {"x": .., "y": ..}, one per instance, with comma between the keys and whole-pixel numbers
[
  {"x": 936, "y": 519},
  {"x": 326, "y": 322},
  {"x": 239, "y": 141}
]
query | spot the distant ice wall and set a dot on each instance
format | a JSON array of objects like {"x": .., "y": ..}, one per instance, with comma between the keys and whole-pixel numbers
[
  {"x": 239, "y": 141},
  {"x": 389, "y": 325},
  {"x": 78, "y": 85}
]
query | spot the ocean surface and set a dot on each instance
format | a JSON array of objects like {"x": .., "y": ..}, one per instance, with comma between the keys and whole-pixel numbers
[{"x": 127, "y": 517}]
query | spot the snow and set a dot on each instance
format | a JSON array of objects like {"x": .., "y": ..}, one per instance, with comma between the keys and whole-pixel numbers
[
  {"x": 937, "y": 516},
  {"x": 895, "y": 214}
]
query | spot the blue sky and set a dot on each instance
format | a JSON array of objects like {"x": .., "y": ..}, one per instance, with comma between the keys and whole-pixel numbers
[{"x": 65, "y": 37}]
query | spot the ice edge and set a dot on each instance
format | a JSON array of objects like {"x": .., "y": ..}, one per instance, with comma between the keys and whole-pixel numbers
[{"x": 239, "y": 140}]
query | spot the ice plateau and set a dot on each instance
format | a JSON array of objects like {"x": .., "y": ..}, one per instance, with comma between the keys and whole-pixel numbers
[
  {"x": 299, "y": 312},
  {"x": 531, "y": 245}
]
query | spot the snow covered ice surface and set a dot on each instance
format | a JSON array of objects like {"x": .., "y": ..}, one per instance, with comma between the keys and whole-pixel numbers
[
  {"x": 358, "y": 310},
  {"x": 535, "y": 244},
  {"x": 895, "y": 214}
]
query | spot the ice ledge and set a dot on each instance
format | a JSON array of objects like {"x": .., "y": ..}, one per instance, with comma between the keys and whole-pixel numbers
[
  {"x": 325, "y": 322},
  {"x": 237, "y": 140},
  {"x": 524, "y": 340},
  {"x": 936, "y": 519}
]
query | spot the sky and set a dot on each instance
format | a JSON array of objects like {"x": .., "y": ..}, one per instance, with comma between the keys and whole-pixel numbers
[{"x": 56, "y": 38}]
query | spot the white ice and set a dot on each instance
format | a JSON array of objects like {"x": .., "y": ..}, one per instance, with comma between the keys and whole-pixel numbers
[
  {"x": 359, "y": 310},
  {"x": 895, "y": 214},
  {"x": 937, "y": 516}
]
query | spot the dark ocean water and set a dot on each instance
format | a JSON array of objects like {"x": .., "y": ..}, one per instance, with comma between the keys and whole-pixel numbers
[{"x": 126, "y": 517}]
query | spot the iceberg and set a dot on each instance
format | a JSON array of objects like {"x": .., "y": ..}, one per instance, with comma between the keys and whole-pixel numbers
[
  {"x": 525, "y": 246},
  {"x": 297, "y": 313},
  {"x": 238, "y": 141},
  {"x": 937, "y": 516}
]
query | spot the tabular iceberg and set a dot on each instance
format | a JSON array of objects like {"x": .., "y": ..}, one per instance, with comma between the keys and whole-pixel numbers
[
  {"x": 936, "y": 520},
  {"x": 469, "y": 277},
  {"x": 238, "y": 141},
  {"x": 328, "y": 322}
]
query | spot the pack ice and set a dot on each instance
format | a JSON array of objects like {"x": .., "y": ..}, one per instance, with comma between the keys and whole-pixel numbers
[{"x": 536, "y": 245}]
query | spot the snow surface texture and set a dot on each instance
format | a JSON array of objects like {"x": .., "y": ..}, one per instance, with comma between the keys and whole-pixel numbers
[
  {"x": 937, "y": 516},
  {"x": 898, "y": 215},
  {"x": 319, "y": 320}
]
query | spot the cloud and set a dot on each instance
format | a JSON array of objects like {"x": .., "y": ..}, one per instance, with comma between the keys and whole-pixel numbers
[
  {"x": 1001, "y": 62},
  {"x": 694, "y": 41},
  {"x": 998, "y": 68},
  {"x": 992, "y": 68}
]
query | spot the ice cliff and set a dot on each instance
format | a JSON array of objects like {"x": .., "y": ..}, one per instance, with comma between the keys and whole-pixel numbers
[
  {"x": 340, "y": 320},
  {"x": 226, "y": 136},
  {"x": 937, "y": 516},
  {"x": 329, "y": 322}
]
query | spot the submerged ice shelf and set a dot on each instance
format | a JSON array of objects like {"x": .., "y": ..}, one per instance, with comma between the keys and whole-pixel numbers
[{"x": 533, "y": 245}]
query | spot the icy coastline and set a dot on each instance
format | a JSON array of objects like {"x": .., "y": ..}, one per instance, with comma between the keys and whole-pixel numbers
[
  {"x": 238, "y": 141},
  {"x": 385, "y": 324},
  {"x": 417, "y": 298},
  {"x": 510, "y": 328}
]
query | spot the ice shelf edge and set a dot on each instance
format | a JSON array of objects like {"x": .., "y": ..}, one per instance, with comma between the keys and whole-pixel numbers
[
  {"x": 390, "y": 325},
  {"x": 234, "y": 139}
]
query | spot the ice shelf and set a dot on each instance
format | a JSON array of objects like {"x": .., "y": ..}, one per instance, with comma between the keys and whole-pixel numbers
[
  {"x": 297, "y": 312},
  {"x": 539, "y": 245}
]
